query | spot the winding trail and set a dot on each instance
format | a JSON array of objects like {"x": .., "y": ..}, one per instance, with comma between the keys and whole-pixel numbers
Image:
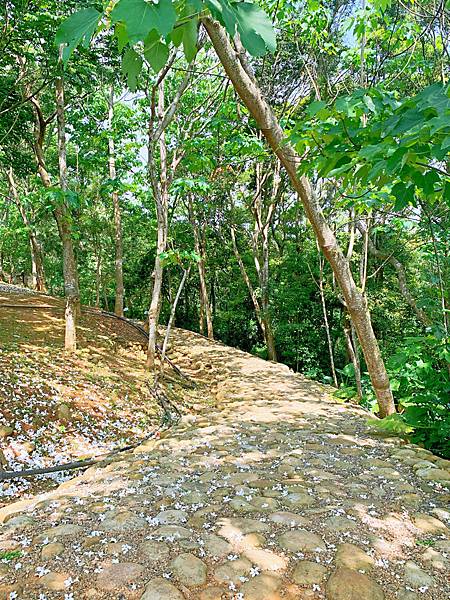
[{"x": 269, "y": 490}]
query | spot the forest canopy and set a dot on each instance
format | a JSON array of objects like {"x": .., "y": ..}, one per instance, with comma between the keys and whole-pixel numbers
[{"x": 274, "y": 175}]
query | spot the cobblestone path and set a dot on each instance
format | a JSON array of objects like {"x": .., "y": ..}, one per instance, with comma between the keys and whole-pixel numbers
[{"x": 271, "y": 490}]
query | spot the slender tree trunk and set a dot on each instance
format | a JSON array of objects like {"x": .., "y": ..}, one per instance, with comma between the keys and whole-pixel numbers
[
  {"x": 172, "y": 314},
  {"x": 161, "y": 195},
  {"x": 118, "y": 306},
  {"x": 201, "y": 316},
  {"x": 248, "y": 90},
  {"x": 264, "y": 285},
  {"x": 325, "y": 319},
  {"x": 204, "y": 289},
  {"x": 263, "y": 323},
  {"x": 38, "y": 274},
  {"x": 98, "y": 275},
  {"x": 199, "y": 244},
  {"x": 64, "y": 221},
  {"x": 352, "y": 350}
]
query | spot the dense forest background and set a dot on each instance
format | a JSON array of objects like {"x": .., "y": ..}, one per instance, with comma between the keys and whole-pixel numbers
[{"x": 361, "y": 90}]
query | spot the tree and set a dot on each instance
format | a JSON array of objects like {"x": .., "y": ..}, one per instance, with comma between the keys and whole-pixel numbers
[{"x": 118, "y": 305}]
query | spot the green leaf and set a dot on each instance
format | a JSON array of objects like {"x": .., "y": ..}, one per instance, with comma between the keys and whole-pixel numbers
[
  {"x": 223, "y": 12},
  {"x": 404, "y": 195},
  {"x": 78, "y": 28},
  {"x": 315, "y": 107},
  {"x": 428, "y": 181},
  {"x": 190, "y": 33},
  {"x": 369, "y": 103},
  {"x": 131, "y": 67},
  {"x": 155, "y": 51},
  {"x": 140, "y": 17},
  {"x": 120, "y": 31},
  {"x": 254, "y": 26},
  {"x": 255, "y": 29}
]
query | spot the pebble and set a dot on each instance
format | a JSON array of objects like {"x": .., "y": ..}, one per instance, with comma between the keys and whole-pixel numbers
[
  {"x": 118, "y": 575},
  {"x": 307, "y": 572},
  {"x": 161, "y": 589},
  {"x": 347, "y": 584},
  {"x": 301, "y": 540}
]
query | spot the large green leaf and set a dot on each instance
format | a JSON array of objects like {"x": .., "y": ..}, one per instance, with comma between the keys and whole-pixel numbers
[
  {"x": 140, "y": 17},
  {"x": 255, "y": 29},
  {"x": 252, "y": 23},
  {"x": 155, "y": 51},
  {"x": 190, "y": 34},
  {"x": 78, "y": 28},
  {"x": 131, "y": 67}
]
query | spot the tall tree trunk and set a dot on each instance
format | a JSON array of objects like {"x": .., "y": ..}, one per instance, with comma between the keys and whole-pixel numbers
[
  {"x": 260, "y": 243},
  {"x": 64, "y": 221},
  {"x": 264, "y": 324},
  {"x": 172, "y": 314},
  {"x": 118, "y": 306},
  {"x": 401, "y": 277},
  {"x": 325, "y": 320},
  {"x": 248, "y": 90},
  {"x": 203, "y": 287},
  {"x": 199, "y": 245},
  {"x": 161, "y": 195},
  {"x": 35, "y": 247},
  {"x": 352, "y": 350}
]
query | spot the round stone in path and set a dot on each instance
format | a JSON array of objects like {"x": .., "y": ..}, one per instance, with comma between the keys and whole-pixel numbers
[
  {"x": 213, "y": 592},
  {"x": 340, "y": 524},
  {"x": 417, "y": 577},
  {"x": 171, "y": 517},
  {"x": 51, "y": 550},
  {"x": 161, "y": 589},
  {"x": 298, "y": 500},
  {"x": 300, "y": 540},
  {"x": 407, "y": 595},
  {"x": 232, "y": 571},
  {"x": 55, "y": 533},
  {"x": 307, "y": 573},
  {"x": 216, "y": 546},
  {"x": 288, "y": 518},
  {"x": 4, "y": 570},
  {"x": 173, "y": 532},
  {"x": 346, "y": 584},
  {"x": 154, "y": 551},
  {"x": 124, "y": 520},
  {"x": 263, "y": 587},
  {"x": 428, "y": 524},
  {"x": 190, "y": 570},
  {"x": 118, "y": 575},
  {"x": 352, "y": 557},
  {"x": 54, "y": 581}
]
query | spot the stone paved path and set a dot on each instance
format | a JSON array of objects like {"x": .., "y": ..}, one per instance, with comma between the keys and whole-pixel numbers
[{"x": 271, "y": 491}]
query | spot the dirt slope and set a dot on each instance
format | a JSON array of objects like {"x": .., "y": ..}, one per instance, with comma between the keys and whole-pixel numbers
[{"x": 54, "y": 407}]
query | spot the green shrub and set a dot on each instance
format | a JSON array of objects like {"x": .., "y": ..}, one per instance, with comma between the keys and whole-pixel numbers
[{"x": 420, "y": 380}]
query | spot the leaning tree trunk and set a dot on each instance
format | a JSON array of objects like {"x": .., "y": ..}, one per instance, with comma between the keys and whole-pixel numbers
[
  {"x": 64, "y": 221},
  {"x": 118, "y": 306},
  {"x": 248, "y": 90}
]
